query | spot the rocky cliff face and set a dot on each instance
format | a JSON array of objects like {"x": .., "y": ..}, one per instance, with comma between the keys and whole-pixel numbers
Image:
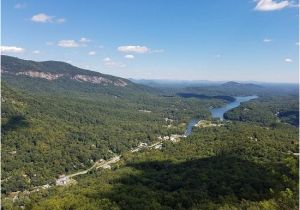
[
  {"x": 91, "y": 79},
  {"x": 77, "y": 77},
  {"x": 98, "y": 80},
  {"x": 120, "y": 83},
  {"x": 54, "y": 70},
  {"x": 43, "y": 75}
]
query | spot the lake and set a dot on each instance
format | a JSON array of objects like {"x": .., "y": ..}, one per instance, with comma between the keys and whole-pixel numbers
[{"x": 219, "y": 112}]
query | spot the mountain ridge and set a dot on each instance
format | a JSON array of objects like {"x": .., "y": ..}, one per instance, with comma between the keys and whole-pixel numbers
[
  {"x": 238, "y": 84},
  {"x": 53, "y": 70}
]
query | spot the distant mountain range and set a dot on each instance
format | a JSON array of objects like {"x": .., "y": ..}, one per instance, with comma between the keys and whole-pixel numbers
[
  {"x": 238, "y": 84},
  {"x": 174, "y": 83},
  {"x": 53, "y": 76},
  {"x": 57, "y": 70},
  {"x": 197, "y": 83}
]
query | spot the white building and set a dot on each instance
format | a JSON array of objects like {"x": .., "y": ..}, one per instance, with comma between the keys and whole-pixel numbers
[{"x": 63, "y": 180}]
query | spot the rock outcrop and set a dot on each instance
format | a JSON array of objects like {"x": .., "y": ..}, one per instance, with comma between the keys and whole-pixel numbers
[
  {"x": 77, "y": 77},
  {"x": 98, "y": 80},
  {"x": 43, "y": 75}
]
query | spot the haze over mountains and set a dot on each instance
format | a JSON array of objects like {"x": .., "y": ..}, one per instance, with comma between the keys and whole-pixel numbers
[
  {"x": 54, "y": 70},
  {"x": 150, "y": 105},
  {"x": 58, "y": 120}
]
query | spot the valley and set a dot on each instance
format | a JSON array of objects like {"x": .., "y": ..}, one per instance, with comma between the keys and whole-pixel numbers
[
  {"x": 150, "y": 105},
  {"x": 66, "y": 139}
]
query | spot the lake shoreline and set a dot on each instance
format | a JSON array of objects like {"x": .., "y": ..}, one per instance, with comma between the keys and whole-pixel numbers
[{"x": 220, "y": 111}]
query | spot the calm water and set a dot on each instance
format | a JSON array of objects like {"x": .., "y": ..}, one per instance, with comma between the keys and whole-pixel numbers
[{"x": 219, "y": 112}]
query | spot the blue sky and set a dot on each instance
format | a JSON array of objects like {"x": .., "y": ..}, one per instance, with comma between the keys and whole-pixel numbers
[{"x": 159, "y": 39}]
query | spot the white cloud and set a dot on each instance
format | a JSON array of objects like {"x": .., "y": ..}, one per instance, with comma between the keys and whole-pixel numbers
[
  {"x": 84, "y": 40},
  {"x": 108, "y": 62},
  {"x": 20, "y": 6},
  {"x": 267, "y": 40},
  {"x": 129, "y": 56},
  {"x": 92, "y": 53},
  {"x": 297, "y": 43},
  {"x": 11, "y": 49},
  {"x": 36, "y": 52},
  {"x": 270, "y": 5},
  {"x": 43, "y": 18},
  {"x": 107, "y": 59},
  {"x": 288, "y": 60},
  {"x": 68, "y": 43},
  {"x": 133, "y": 49}
]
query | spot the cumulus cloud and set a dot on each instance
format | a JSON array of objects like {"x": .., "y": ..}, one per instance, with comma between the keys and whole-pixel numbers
[
  {"x": 92, "y": 53},
  {"x": 68, "y": 43},
  {"x": 133, "y": 49},
  {"x": 267, "y": 40},
  {"x": 11, "y": 49},
  {"x": 36, "y": 52},
  {"x": 43, "y": 18},
  {"x": 107, "y": 59},
  {"x": 84, "y": 40},
  {"x": 270, "y": 5},
  {"x": 288, "y": 60},
  {"x": 108, "y": 62},
  {"x": 129, "y": 56}
]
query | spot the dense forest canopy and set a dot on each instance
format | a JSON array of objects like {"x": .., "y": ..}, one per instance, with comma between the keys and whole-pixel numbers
[
  {"x": 238, "y": 166},
  {"x": 55, "y": 122}
]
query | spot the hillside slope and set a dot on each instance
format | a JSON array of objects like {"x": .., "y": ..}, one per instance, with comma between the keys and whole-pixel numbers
[
  {"x": 53, "y": 125},
  {"x": 53, "y": 70},
  {"x": 54, "y": 77}
]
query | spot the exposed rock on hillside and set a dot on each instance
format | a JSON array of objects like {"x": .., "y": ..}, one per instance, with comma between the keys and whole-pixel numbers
[
  {"x": 98, "y": 80},
  {"x": 43, "y": 75},
  {"x": 53, "y": 70},
  {"x": 91, "y": 79}
]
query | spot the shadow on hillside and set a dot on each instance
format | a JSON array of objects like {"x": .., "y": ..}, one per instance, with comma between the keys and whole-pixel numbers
[
  {"x": 201, "y": 184},
  {"x": 14, "y": 123}
]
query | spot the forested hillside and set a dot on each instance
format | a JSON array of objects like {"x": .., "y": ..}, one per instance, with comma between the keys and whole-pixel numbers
[
  {"x": 269, "y": 109},
  {"x": 59, "y": 119},
  {"x": 54, "y": 127},
  {"x": 237, "y": 166}
]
